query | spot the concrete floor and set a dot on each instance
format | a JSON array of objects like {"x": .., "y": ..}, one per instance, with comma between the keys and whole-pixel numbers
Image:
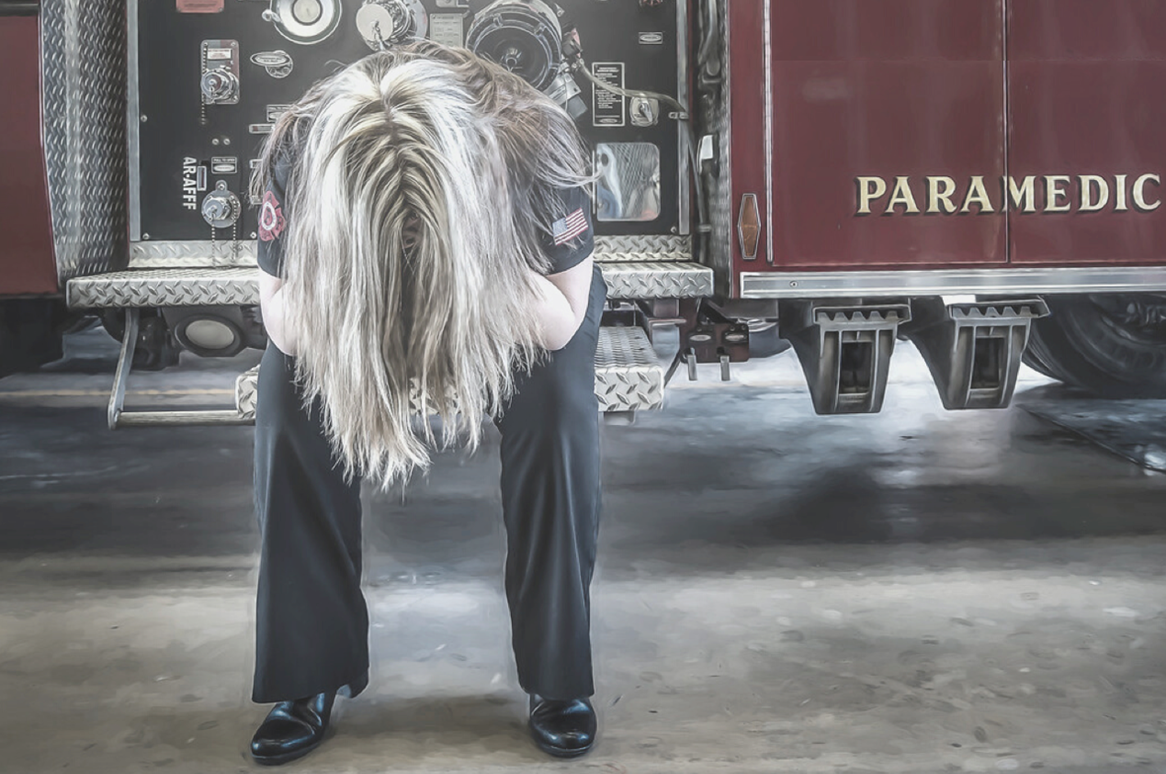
[{"x": 915, "y": 591}]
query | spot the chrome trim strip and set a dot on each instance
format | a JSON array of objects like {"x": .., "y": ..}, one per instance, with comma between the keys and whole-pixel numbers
[
  {"x": 133, "y": 122},
  {"x": 724, "y": 187},
  {"x": 682, "y": 151},
  {"x": 721, "y": 195},
  {"x": 42, "y": 71},
  {"x": 767, "y": 32},
  {"x": 1074, "y": 279}
]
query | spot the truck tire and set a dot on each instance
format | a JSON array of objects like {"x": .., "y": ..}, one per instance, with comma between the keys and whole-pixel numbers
[
  {"x": 1033, "y": 361},
  {"x": 1113, "y": 345}
]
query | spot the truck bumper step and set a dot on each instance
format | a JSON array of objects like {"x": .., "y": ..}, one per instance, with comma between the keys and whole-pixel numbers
[
  {"x": 658, "y": 279},
  {"x": 628, "y": 378},
  {"x": 238, "y": 286},
  {"x": 628, "y": 375},
  {"x": 165, "y": 287}
]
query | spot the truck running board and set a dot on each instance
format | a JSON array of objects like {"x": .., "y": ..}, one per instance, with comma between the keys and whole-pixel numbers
[
  {"x": 973, "y": 349},
  {"x": 119, "y": 417},
  {"x": 239, "y": 286},
  {"x": 628, "y": 378},
  {"x": 844, "y": 350}
]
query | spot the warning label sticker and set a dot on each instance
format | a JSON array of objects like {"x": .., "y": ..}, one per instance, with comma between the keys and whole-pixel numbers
[
  {"x": 447, "y": 29},
  {"x": 199, "y": 6},
  {"x": 607, "y": 109}
]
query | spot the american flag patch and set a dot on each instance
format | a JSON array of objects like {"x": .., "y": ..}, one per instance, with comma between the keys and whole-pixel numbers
[{"x": 567, "y": 228}]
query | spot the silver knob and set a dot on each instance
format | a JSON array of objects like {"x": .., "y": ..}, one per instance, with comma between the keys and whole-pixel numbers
[
  {"x": 644, "y": 111},
  {"x": 221, "y": 207},
  {"x": 219, "y": 85}
]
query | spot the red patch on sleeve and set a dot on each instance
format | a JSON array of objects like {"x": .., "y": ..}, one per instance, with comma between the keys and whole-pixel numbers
[{"x": 271, "y": 220}]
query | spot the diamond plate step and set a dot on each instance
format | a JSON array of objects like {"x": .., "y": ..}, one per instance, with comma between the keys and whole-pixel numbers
[
  {"x": 657, "y": 279},
  {"x": 165, "y": 287},
  {"x": 237, "y": 286},
  {"x": 628, "y": 375},
  {"x": 194, "y": 253}
]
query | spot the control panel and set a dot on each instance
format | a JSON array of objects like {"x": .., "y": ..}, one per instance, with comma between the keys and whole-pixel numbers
[{"x": 209, "y": 78}]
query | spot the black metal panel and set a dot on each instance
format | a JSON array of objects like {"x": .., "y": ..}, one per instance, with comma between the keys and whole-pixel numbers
[
  {"x": 176, "y": 127},
  {"x": 19, "y": 7}
]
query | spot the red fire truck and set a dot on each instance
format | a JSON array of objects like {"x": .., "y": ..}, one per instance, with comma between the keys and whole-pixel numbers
[{"x": 983, "y": 178}]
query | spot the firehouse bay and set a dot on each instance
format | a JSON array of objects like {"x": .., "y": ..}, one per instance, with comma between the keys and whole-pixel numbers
[{"x": 912, "y": 591}]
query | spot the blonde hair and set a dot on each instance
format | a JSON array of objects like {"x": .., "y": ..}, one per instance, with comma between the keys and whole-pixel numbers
[{"x": 421, "y": 179}]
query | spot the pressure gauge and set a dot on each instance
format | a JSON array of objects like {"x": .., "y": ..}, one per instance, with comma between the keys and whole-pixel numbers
[
  {"x": 304, "y": 21},
  {"x": 383, "y": 23},
  {"x": 523, "y": 36}
]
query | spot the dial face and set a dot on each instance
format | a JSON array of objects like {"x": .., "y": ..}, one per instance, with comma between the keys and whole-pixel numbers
[
  {"x": 307, "y": 12},
  {"x": 385, "y": 22},
  {"x": 523, "y": 37},
  {"x": 220, "y": 85},
  {"x": 305, "y": 21}
]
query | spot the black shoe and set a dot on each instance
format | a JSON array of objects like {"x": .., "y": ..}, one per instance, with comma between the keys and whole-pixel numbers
[
  {"x": 564, "y": 729},
  {"x": 292, "y": 729}
]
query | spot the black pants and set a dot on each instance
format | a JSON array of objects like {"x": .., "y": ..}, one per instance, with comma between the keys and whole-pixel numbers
[{"x": 312, "y": 622}]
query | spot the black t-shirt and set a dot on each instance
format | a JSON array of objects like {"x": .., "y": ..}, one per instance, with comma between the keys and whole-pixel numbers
[
  {"x": 571, "y": 241},
  {"x": 272, "y": 223}
]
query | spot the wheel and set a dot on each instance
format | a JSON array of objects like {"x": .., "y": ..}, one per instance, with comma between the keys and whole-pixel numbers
[
  {"x": 1113, "y": 345},
  {"x": 1032, "y": 359}
]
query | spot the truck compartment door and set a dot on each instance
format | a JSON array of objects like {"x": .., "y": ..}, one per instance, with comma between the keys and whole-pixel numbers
[
  {"x": 1087, "y": 112},
  {"x": 871, "y": 134}
]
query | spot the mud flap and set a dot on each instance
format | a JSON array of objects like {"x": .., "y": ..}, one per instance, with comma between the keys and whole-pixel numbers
[
  {"x": 844, "y": 350},
  {"x": 973, "y": 349}
]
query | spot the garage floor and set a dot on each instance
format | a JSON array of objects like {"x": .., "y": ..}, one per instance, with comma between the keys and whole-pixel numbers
[{"x": 915, "y": 591}]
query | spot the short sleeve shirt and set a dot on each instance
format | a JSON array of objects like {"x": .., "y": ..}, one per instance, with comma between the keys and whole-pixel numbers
[
  {"x": 570, "y": 241},
  {"x": 273, "y": 222},
  {"x": 572, "y": 237}
]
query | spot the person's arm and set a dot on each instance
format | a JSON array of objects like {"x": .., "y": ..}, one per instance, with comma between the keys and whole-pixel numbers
[
  {"x": 271, "y": 303},
  {"x": 562, "y": 303}
]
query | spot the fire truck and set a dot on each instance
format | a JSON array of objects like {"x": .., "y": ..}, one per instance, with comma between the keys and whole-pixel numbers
[{"x": 982, "y": 178}]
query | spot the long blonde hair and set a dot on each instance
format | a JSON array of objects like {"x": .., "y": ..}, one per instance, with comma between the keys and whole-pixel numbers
[{"x": 421, "y": 179}]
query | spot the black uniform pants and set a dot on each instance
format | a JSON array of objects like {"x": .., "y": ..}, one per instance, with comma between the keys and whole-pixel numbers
[{"x": 311, "y": 618}]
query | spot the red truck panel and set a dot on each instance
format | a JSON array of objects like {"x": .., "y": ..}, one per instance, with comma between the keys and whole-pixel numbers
[
  {"x": 1086, "y": 98},
  {"x": 26, "y": 247},
  {"x": 1041, "y": 120},
  {"x": 887, "y": 90}
]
